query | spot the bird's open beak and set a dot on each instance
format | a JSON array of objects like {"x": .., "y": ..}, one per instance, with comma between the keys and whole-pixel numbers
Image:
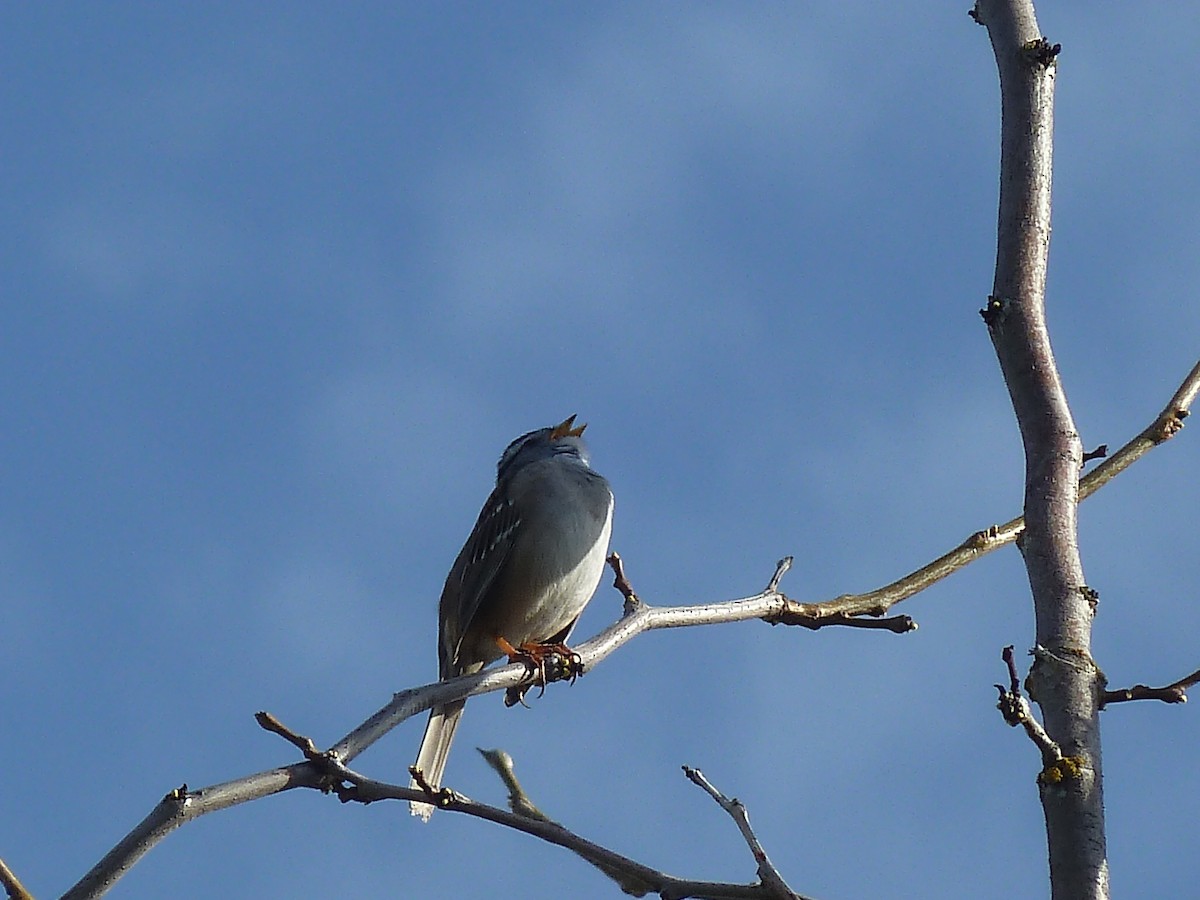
[{"x": 563, "y": 429}]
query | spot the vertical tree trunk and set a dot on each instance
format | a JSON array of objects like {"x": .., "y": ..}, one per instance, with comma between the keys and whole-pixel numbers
[{"x": 1064, "y": 680}]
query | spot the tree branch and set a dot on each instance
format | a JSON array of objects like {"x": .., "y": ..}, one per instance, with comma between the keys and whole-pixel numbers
[
  {"x": 182, "y": 805},
  {"x": 771, "y": 884},
  {"x": 1064, "y": 680},
  {"x": 1166, "y": 425},
  {"x": 1176, "y": 692},
  {"x": 12, "y": 884},
  {"x": 633, "y": 877},
  {"x": 767, "y": 873},
  {"x": 1016, "y": 711},
  {"x": 518, "y": 801}
]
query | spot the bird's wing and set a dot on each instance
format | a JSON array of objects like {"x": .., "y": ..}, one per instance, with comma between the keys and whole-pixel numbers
[{"x": 479, "y": 562}]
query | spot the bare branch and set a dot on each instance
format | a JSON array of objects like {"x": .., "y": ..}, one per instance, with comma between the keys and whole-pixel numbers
[
  {"x": 1166, "y": 425},
  {"x": 1064, "y": 680},
  {"x": 181, "y": 806},
  {"x": 304, "y": 744},
  {"x": 518, "y": 801},
  {"x": 633, "y": 877},
  {"x": 174, "y": 810},
  {"x": 772, "y": 885},
  {"x": 1016, "y": 711},
  {"x": 793, "y": 614},
  {"x": 12, "y": 884},
  {"x": 767, "y": 872},
  {"x": 781, "y": 569},
  {"x": 1057, "y": 768},
  {"x": 1176, "y": 692},
  {"x": 621, "y": 583},
  {"x": 521, "y": 804}
]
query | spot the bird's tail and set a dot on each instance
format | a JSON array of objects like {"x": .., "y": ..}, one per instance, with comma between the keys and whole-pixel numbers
[{"x": 435, "y": 748}]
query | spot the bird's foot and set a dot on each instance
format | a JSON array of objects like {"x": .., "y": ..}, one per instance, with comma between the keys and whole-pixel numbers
[{"x": 547, "y": 662}]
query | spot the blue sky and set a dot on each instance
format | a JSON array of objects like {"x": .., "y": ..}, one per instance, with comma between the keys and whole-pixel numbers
[{"x": 281, "y": 282}]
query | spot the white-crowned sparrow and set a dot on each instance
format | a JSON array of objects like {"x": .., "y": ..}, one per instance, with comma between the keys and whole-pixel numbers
[{"x": 525, "y": 574}]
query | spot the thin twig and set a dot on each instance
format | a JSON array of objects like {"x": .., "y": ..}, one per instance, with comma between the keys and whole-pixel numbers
[
  {"x": 1016, "y": 711},
  {"x": 877, "y": 602},
  {"x": 621, "y": 583},
  {"x": 304, "y": 744},
  {"x": 1176, "y": 692},
  {"x": 12, "y": 884},
  {"x": 781, "y": 569},
  {"x": 518, "y": 801},
  {"x": 1165, "y": 426},
  {"x": 737, "y": 811},
  {"x": 521, "y": 804},
  {"x": 1056, "y": 768}
]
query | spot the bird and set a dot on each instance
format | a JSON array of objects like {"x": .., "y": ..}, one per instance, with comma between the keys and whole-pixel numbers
[{"x": 525, "y": 574}]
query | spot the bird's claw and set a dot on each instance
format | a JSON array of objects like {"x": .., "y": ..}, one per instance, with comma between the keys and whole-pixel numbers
[{"x": 545, "y": 662}]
